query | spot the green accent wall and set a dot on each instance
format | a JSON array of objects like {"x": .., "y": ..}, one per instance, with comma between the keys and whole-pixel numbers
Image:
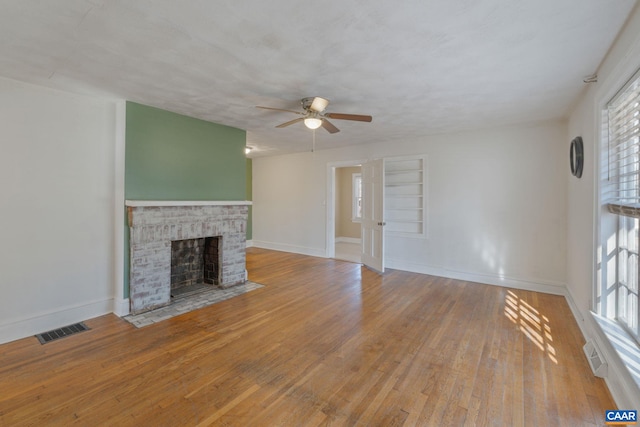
[
  {"x": 174, "y": 157},
  {"x": 169, "y": 156}
]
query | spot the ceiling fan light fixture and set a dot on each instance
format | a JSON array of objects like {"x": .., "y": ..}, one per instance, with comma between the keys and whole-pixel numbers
[{"x": 313, "y": 122}]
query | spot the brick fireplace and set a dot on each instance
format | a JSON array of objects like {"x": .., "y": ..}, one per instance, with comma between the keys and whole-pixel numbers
[{"x": 156, "y": 226}]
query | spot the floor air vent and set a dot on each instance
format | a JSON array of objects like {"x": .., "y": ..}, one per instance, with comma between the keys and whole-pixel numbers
[
  {"x": 65, "y": 331},
  {"x": 596, "y": 361}
]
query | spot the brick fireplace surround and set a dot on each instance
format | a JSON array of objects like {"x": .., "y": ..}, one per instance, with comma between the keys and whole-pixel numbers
[{"x": 154, "y": 225}]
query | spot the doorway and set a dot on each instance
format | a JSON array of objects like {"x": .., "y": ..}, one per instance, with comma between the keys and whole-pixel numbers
[
  {"x": 372, "y": 209},
  {"x": 342, "y": 242},
  {"x": 348, "y": 213}
]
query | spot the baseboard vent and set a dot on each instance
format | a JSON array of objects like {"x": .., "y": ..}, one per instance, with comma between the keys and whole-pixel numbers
[
  {"x": 596, "y": 361},
  {"x": 65, "y": 331}
]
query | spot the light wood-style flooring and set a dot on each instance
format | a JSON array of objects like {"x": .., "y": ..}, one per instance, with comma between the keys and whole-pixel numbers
[{"x": 324, "y": 342}]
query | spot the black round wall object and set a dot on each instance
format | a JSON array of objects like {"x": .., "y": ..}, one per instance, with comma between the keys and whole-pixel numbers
[{"x": 576, "y": 156}]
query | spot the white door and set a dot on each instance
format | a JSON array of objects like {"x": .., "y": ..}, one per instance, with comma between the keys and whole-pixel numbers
[{"x": 372, "y": 214}]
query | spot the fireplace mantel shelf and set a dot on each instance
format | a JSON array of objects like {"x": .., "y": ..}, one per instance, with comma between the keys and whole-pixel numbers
[{"x": 145, "y": 203}]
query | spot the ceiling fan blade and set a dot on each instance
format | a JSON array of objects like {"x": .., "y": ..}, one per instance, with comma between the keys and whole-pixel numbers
[
  {"x": 319, "y": 104},
  {"x": 279, "y": 109},
  {"x": 329, "y": 126},
  {"x": 289, "y": 123},
  {"x": 355, "y": 117}
]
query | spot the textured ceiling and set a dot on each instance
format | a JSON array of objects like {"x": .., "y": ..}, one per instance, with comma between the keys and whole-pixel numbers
[{"x": 419, "y": 67}]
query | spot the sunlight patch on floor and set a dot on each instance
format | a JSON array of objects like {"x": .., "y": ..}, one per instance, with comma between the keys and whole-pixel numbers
[{"x": 531, "y": 323}]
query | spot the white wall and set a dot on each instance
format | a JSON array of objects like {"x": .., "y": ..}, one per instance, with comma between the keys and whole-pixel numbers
[
  {"x": 56, "y": 208},
  {"x": 620, "y": 64},
  {"x": 496, "y": 205},
  {"x": 288, "y": 204}
]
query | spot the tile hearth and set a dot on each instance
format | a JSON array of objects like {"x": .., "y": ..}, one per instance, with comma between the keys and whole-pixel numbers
[{"x": 190, "y": 301}]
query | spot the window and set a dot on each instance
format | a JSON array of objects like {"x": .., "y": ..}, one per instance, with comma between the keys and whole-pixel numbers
[
  {"x": 356, "y": 196},
  {"x": 620, "y": 191}
]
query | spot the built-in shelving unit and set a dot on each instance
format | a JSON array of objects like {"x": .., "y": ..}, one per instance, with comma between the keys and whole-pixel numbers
[{"x": 405, "y": 196}]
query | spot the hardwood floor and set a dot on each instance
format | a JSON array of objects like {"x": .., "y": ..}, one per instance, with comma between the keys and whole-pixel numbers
[{"x": 324, "y": 342}]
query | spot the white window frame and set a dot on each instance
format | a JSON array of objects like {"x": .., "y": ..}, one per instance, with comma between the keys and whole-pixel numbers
[
  {"x": 620, "y": 195},
  {"x": 356, "y": 197}
]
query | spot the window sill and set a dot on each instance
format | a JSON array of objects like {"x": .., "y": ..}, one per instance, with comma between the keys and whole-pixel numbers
[{"x": 623, "y": 343}]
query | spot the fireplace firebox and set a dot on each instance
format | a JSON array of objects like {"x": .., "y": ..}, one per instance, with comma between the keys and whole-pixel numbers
[{"x": 195, "y": 262}]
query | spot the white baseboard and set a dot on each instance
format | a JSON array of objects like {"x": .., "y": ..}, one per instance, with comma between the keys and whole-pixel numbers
[
  {"x": 577, "y": 314},
  {"x": 554, "y": 288},
  {"x": 42, "y": 322},
  {"x": 121, "y": 307},
  {"x": 348, "y": 240},
  {"x": 249, "y": 243},
  {"x": 289, "y": 248}
]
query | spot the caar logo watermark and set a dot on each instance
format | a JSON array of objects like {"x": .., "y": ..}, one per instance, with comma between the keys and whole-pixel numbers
[{"x": 620, "y": 417}]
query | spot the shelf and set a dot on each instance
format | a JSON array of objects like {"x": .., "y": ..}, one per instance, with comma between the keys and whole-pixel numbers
[
  {"x": 406, "y": 186},
  {"x": 402, "y": 184},
  {"x": 403, "y": 171}
]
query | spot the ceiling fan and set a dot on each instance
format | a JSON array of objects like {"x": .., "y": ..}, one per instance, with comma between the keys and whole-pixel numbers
[{"x": 314, "y": 115}]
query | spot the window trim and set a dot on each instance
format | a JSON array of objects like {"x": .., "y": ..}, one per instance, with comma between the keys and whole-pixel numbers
[
  {"x": 356, "y": 195},
  {"x": 616, "y": 208}
]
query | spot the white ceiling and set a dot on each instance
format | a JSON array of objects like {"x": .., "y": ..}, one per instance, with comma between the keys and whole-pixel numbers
[{"x": 419, "y": 67}]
